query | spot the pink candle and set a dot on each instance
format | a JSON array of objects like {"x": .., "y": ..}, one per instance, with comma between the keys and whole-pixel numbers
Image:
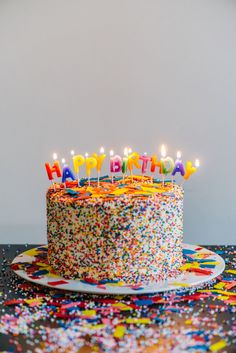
[{"x": 115, "y": 164}]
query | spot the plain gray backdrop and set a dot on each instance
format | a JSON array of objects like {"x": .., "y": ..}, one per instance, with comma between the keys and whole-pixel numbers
[{"x": 81, "y": 74}]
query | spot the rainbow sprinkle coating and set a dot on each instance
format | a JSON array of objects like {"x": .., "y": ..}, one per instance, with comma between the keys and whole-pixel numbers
[{"x": 130, "y": 230}]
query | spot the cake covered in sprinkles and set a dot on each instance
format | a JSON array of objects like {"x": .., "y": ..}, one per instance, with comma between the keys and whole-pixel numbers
[{"x": 124, "y": 230}]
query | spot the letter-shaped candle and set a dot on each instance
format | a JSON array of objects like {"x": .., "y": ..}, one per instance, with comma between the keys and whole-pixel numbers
[
  {"x": 67, "y": 173},
  {"x": 190, "y": 169},
  {"x": 145, "y": 159},
  {"x": 167, "y": 165},
  {"x": 78, "y": 161},
  {"x": 163, "y": 155},
  {"x": 115, "y": 164},
  {"x": 91, "y": 163},
  {"x": 124, "y": 165},
  {"x": 55, "y": 168},
  {"x": 178, "y": 168},
  {"x": 155, "y": 163},
  {"x": 133, "y": 159},
  {"x": 100, "y": 159},
  {"x": 125, "y": 162},
  {"x": 178, "y": 155}
]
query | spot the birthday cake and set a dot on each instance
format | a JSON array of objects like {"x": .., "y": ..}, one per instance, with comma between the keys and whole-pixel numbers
[
  {"x": 128, "y": 230},
  {"x": 117, "y": 228}
]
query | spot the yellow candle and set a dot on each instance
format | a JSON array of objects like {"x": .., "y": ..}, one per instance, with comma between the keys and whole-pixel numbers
[
  {"x": 189, "y": 170},
  {"x": 91, "y": 163},
  {"x": 133, "y": 159},
  {"x": 78, "y": 161},
  {"x": 100, "y": 159}
]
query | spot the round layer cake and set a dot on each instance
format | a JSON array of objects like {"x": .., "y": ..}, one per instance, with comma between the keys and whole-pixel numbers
[{"x": 129, "y": 231}]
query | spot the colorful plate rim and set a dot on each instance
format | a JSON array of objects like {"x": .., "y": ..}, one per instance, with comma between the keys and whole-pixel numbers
[{"x": 185, "y": 281}]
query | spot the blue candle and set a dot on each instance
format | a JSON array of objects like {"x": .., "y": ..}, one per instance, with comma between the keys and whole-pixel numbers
[{"x": 66, "y": 172}]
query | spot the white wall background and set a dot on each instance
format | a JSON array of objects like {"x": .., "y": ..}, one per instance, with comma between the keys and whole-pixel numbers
[{"x": 80, "y": 74}]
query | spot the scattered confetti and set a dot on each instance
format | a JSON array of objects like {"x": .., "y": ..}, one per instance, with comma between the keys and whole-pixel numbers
[
  {"x": 119, "y": 331},
  {"x": 47, "y": 320},
  {"x": 218, "y": 345}
]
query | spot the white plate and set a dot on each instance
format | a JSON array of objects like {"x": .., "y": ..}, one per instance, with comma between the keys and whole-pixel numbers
[{"x": 201, "y": 259}]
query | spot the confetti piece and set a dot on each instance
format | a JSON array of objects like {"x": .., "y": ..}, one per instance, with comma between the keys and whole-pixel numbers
[
  {"x": 219, "y": 291},
  {"x": 14, "y": 302},
  {"x": 40, "y": 273},
  {"x": 122, "y": 306},
  {"x": 97, "y": 327},
  {"x": 70, "y": 305},
  {"x": 230, "y": 285},
  {"x": 179, "y": 284},
  {"x": 32, "y": 252},
  {"x": 57, "y": 283},
  {"x": 119, "y": 331},
  {"x": 144, "y": 320},
  {"x": 89, "y": 312},
  {"x": 218, "y": 345},
  {"x": 219, "y": 285},
  {"x": 143, "y": 302},
  {"x": 231, "y": 271},
  {"x": 188, "y": 322},
  {"x": 33, "y": 302},
  {"x": 188, "y": 251},
  {"x": 199, "y": 270}
]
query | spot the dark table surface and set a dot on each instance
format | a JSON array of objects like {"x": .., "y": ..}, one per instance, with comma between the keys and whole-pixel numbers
[{"x": 39, "y": 319}]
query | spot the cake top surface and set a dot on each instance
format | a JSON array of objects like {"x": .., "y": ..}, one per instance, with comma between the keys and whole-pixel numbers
[{"x": 116, "y": 188}]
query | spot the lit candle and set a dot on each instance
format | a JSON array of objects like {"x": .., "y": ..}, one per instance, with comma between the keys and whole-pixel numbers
[
  {"x": 99, "y": 158},
  {"x": 167, "y": 165},
  {"x": 78, "y": 161},
  {"x": 190, "y": 169},
  {"x": 54, "y": 156},
  {"x": 178, "y": 159},
  {"x": 178, "y": 167},
  {"x": 154, "y": 163},
  {"x": 91, "y": 163},
  {"x": 115, "y": 164},
  {"x": 133, "y": 159},
  {"x": 178, "y": 155},
  {"x": 66, "y": 172},
  {"x": 53, "y": 169},
  {"x": 124, "y": 162},
  {"x": 145, "y": 159},
  {"x": 197, "y": 163},
  {"x": 163, "y": 155},
  {"x": 111, "y": 164}
]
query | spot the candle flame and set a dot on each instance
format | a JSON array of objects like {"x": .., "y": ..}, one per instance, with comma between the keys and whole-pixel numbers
[
  {"x": 111, "y": 153},
  {"x": 63, "y": 160},
  {"x": 54, "y": 156},
  {"x": 126, "y": 151},
  {"x": 86, "y": 154},
  {"x": 102, "y": 150},
  {"x": 178, "y": 154},
  {"x": 163, "y": 151},
  {"x": 197, "y": 163},
  {"x": 72, "y": 152}
]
